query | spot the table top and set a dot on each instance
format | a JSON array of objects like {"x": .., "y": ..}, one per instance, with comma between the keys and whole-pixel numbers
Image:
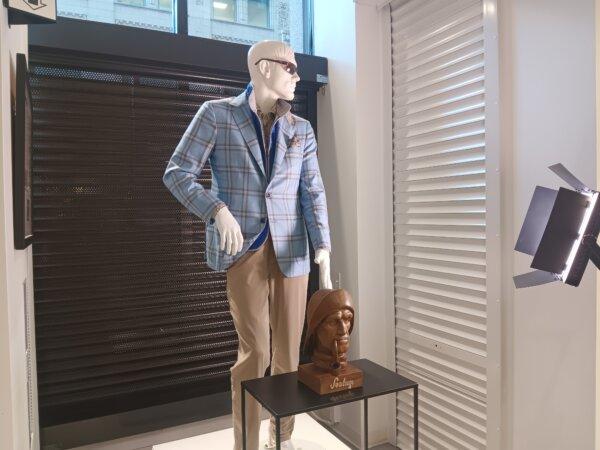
[{"x": 283, "y": 395}]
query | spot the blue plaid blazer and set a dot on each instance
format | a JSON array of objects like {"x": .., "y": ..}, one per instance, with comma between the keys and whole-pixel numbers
[{"x": 293, "y": 200}]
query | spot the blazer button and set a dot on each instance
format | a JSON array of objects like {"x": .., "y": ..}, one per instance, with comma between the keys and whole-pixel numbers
[
  {"x": 263, "y": 220},
  {"x": 268, "y": 195},
  {"x": 212, "y": 220}
]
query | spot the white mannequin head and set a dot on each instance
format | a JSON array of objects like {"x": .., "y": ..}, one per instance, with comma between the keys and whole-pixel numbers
[{"x": 271, "y": 80}]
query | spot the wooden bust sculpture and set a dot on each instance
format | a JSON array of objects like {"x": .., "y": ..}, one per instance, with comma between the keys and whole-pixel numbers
[{"x": 330, "y": 318}]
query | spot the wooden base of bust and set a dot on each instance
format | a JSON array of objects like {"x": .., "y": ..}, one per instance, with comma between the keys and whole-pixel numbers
[{"x": 325, "y": 383}]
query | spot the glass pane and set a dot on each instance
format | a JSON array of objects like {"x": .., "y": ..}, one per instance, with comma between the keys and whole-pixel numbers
[
  {"x": 224, "y": 10},
  {"x": 151, "y": 14},
  {"x": 248, "y": 21},
  {"x": 258, "y": 13}
]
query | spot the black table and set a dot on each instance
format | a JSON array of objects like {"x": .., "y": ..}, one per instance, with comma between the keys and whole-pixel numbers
[{"x": 283, "y": 395}]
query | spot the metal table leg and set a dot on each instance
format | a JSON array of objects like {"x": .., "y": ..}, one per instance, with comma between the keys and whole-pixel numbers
[
  {"x": 416, "y": 417},
  {"x": 366, "y": 425},
  {"x": 243, "y": 418},
  {"x": 277, "y": 436}
]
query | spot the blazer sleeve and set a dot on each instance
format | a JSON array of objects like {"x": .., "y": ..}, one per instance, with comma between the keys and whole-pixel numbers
[
  {"x": 187, "y": 161},
  {"x": 312, "y": 195}
]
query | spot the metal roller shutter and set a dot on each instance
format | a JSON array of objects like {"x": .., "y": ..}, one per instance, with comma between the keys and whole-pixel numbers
[{"x": 127, "y": 313}]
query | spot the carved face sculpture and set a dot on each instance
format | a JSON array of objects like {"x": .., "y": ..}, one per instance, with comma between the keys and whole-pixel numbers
[{"x": 330, "y": 317}]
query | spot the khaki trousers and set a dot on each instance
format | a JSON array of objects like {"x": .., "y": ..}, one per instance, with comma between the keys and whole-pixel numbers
[{"x": 260, "y": 295}]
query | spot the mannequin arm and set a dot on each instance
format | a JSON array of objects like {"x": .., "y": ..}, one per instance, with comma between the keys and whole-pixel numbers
[
  {"x": 322, "y": 259},
  {"x": 312, "y": 195},
  {"x": 187, "y": 161}
]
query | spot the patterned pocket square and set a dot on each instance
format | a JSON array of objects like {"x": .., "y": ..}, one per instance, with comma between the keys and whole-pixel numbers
[{"x": 294, "y": 142}]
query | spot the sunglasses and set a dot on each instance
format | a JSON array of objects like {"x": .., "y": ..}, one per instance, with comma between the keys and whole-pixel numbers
[{"x": 288, "y": 66}]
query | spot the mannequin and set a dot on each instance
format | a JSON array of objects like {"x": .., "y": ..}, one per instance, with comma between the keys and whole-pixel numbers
[{"x": 266, "y": 200}]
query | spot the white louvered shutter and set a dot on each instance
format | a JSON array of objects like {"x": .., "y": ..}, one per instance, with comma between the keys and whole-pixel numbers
[{"x": 440, "y": 220}]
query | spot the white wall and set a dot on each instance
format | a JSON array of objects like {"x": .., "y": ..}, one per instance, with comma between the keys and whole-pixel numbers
[
  {"x": 547, "y": 97},
  {"x": 15, "y": 265},
  {"x": 334, "y": 38},
  {"x": 354, "y": 138},
  {"x": 375, "y": 205}
]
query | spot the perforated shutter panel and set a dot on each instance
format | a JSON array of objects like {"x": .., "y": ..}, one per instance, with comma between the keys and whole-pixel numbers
[
  {"x": 127, "y": 312},
  {"x": 440, "y": 220}
]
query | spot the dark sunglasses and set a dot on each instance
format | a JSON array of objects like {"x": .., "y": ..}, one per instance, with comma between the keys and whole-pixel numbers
[{"x": 288, "y": 66}]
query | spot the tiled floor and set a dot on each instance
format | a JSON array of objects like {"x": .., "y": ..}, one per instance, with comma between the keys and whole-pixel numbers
[{"x": 314, "y": 437}]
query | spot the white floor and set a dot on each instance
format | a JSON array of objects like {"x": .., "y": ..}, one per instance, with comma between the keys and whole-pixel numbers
[{"x": 308, "y": 435}]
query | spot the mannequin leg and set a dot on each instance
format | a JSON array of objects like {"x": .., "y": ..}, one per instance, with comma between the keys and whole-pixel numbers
[
  {"x": 247, "y": 291},
  {"x": 287, "y": 300}
]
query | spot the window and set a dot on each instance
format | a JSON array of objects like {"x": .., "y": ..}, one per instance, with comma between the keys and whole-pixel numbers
[
  {"x": 224, "y": 10},
  {"x": 150, "y": 14},
  {"x": 239, "y": 21},
  {"x": 258, "y": 13},
  {"x": 250, "y": 21}
]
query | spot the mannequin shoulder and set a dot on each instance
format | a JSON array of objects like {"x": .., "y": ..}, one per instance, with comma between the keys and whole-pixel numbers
[
  {"x": 220, "y": 107},
  {"x": 219, "y": 104}
]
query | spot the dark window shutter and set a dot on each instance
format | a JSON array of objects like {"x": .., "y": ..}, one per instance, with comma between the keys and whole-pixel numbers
[{"x": 127, "y": 312}]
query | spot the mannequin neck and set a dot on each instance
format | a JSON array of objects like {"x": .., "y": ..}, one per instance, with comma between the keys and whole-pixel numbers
[{"x": 264, "y": 97}]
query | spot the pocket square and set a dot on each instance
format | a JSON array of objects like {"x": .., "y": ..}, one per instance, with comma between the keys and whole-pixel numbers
[{"x": 294, "y": 142}]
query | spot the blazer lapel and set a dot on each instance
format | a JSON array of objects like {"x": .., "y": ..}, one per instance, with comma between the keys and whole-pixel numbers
[
  {"x": 287, "y": 129},
  {"x": 243, "y": 118}
]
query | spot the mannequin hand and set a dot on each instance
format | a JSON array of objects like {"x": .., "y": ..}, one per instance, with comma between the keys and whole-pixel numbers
[
  {"x": 322, "y": 259},
  {"x": 230, "y": 232}
]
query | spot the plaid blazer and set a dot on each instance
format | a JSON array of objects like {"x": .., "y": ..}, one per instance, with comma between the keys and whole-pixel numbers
[{"x": 293, "y": 199}]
